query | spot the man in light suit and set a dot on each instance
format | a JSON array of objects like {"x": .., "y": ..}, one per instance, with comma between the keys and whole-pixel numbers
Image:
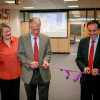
[
  {"x": 33, "y": 74},
  {"x": 90, "y": 81}
]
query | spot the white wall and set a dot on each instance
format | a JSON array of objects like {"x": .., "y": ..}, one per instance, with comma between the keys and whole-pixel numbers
[{"x": 14, "y": 22}]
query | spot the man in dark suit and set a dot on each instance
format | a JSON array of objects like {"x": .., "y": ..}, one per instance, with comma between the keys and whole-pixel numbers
[
  {"x": 90, "y": 80},
  {"x": 33, "y": 75}
]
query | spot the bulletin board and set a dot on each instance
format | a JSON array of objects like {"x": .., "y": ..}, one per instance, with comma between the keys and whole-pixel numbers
[{"x": 75, "y": 29}]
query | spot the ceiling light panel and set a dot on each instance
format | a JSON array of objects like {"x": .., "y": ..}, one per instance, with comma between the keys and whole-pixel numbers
[
  {"x": 73, "y": 6},
  {"x": 76, "y": 15},
  {"x": 11, "y": 2},
  {"x": 75, "y": 12},
  {"x": 70, "y": 0},
  {"x": 28, "y": 7}
]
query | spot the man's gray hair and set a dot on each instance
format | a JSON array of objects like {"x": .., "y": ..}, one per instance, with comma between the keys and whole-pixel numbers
[{"x": 36, "y": 20}]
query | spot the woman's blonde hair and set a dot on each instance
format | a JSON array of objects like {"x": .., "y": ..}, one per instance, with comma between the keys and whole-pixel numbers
[{"x": 2, "y": 25}]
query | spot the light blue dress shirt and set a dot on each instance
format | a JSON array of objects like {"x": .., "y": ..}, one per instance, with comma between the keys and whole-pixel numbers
[
  {"x": 32, "y": 41},
  {"x": 95, "y": 46}
]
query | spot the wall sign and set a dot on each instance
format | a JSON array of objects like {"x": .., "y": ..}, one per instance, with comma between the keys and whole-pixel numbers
[{"x": 4, "y": 13}]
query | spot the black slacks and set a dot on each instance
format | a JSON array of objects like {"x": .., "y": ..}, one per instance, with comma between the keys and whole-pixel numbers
[
  {"x": 10, "y": 89},
  {"x": 43, "y": 87},
  {"x": 91, "y": 89}
]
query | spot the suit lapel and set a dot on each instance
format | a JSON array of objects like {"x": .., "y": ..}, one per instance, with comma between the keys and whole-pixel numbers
[
  {"x": 97, "y": 49},
  {"x": 87, "y": 48},
  {"x": 40, "y": 44},
  {"x": 29, "y": 45}
]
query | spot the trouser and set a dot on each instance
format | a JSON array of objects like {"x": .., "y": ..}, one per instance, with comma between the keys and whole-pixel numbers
[
  {"x": 91, "y": 89},
  {"x": 10, "y": 89},
  {"x": 43, "y": 87}
]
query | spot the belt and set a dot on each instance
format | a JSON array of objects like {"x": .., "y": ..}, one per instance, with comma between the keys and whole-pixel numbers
[{"x": 37, "y": 69}]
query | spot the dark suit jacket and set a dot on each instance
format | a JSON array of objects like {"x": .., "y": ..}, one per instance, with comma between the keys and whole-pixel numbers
[
  {"x": 82, "y": 57},
  {"x": 25, "y": 54}
]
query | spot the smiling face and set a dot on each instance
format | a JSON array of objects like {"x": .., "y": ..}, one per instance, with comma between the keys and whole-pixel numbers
[
  {"x": 93, "y": 31},
  {"x": 6, "y": 33}
]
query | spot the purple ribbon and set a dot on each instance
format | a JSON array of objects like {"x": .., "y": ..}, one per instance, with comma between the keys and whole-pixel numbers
[
  {"x": 77, "y": 77},
  {"x": 68, "y": 75},
  {"x": 67, "y": 71}
]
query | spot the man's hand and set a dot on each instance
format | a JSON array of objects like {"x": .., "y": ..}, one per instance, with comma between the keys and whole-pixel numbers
[
  {"x": 87, "y": 70},
  {"x": 33, "y": 65},
  {"x": 45, "y": 64},
  {"x": 95, "y": 71}
]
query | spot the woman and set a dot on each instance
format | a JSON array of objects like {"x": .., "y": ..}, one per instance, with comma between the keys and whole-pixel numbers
[{"x": 10, "y": 71}]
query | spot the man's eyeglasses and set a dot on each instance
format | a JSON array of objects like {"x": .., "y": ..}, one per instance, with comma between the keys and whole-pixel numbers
[{"x": 36, "y": 29}]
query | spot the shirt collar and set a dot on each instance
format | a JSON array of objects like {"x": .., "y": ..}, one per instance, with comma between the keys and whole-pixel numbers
[
  {"x": 12, "y": 39},
  {"x": 34, "y": 37},
  {"x": 1, "y": 41},
  {"x": 96, "y": 40}
]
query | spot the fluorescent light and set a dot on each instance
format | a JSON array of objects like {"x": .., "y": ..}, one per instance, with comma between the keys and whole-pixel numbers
[
  {"x": 70, "y": 0},
  {"x": 76, "y": 15},
  {"x": 11, "y": 2},
  {"x": 28, "y": 7},
  {"x": 73, "y": 6},
  {"x": 75, "y": 12}
]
